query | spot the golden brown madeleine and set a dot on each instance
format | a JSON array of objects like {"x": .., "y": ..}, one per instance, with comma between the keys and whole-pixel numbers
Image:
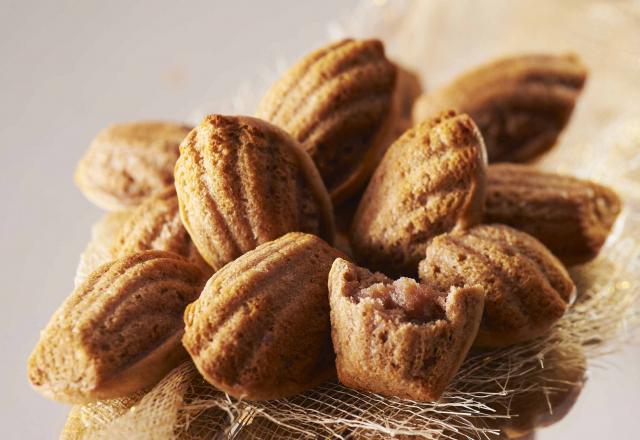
[
  {"x": 99, "y": 250},
  {"x": 242, "y": 182},
  {"x": 260, "y": 330},
  {"x": 399, "y": 338},
  {"x": 156, "y": 224},
  {"x": 127, "y": 163},
  {"x": 119, "y": 331},
  {"x": 430, "y": 181},
  {"x": 571, "y": 216},
  {"x": 527, "y": 289},
  {"x": 521, "y": 103},
  {"x": 337, "y": 101}
]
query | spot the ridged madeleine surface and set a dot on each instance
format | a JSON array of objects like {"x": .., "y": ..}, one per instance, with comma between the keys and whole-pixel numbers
[
  {"x": 526, "y": 288},
  {"x": 260, "y": 329},
  {"x": 571, "y": 216},
  {"x": 156, "y": 225},
  {"x": 127, "y": 163},
  {"x": 119, "y": 331},
  {"x": 242, "y": 182},
  {"x": 399, "y": 338},
  {"x": 336, "y": 101},
  {"x": 430, "y": 181},
  {"x": 520, "y": 103}
]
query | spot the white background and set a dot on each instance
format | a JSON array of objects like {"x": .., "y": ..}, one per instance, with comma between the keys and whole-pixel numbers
[{"x": 67, "y": 69}]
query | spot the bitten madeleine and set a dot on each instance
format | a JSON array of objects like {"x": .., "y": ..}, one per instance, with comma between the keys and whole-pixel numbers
[
  {"x": 399, "y": 338},
  {"x": 430, "y": 181},
  {"x": 521, "y": 103},
  {"x": 527, "y": 289},
  {"x": 127, "y": 163},
  {"x": 337, "y": 101},
  {"x": 571, "y": 216},
  {"x": 156, "y": 224},
  {"x": 242, "y": 182},
  {"x": 260, "y": 330},
  {"x": 119, "y": 331}
]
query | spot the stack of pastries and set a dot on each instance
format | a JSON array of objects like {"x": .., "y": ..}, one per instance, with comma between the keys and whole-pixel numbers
[{"x": 342, "y": 230}]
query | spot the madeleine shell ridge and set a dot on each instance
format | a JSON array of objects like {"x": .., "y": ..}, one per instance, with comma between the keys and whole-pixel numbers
[
  {"x": 337, "y": 102},
  {"x": 156, "y": 225},
  {"x": 520, "y": 103},
  {"x": 260, "y": 329},
  {"x": 572, "y": 217},
  {"x": 430, "y": 181},
  {"x": 242, "y": 182},
  {"x": 119, "y": 331},
  {"x": 527, "y": 288}
]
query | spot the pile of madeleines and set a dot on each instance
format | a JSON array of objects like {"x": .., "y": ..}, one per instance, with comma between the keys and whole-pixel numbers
[{"x": 218, "y": 243}]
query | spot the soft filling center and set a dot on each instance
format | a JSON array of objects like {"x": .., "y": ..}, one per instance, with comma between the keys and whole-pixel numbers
[{"x": 417, "y": 301}]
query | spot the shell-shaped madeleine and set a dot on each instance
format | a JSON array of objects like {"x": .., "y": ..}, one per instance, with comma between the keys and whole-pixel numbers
[
  {"x": 119, "y": 331},
  {"x": 399, "y": 338},
  {"x": 260, "y": 329},
  {"x": 521, "y": 103},
  {"x": 156, "y": 225},
  {"x": 99, "y": 250},
  {"x": 336, "y": 102},
  {"x": 430, "y": 181},
  {"x": 526, "y": 288},
  {"x": 571, "y": 216},
  {"x": 242, "y": 182},
  {"x": 127, "y": 163}
]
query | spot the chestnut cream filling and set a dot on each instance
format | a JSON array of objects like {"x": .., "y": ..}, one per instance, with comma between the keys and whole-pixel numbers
[{"x": 412, "y": 301}]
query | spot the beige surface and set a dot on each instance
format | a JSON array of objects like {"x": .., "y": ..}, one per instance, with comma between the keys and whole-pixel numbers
[{"x": 69, "y": 68}]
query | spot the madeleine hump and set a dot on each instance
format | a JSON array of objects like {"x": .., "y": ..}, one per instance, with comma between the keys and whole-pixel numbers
[
  {"x": 260, "y": 329},
  {"x": 126, "y": 163},
  {"x": 242, "y": 182},
  {"x": 521, "y": 103},
  {"x": 527, "y": 289},
  {"x": 119, "y": 331},
  {"x": 399, "y": 338},
  {"x": 430, "y": 181},
  {"x": 572, "y": 217},
  {"x": 338, "y": 102}
]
